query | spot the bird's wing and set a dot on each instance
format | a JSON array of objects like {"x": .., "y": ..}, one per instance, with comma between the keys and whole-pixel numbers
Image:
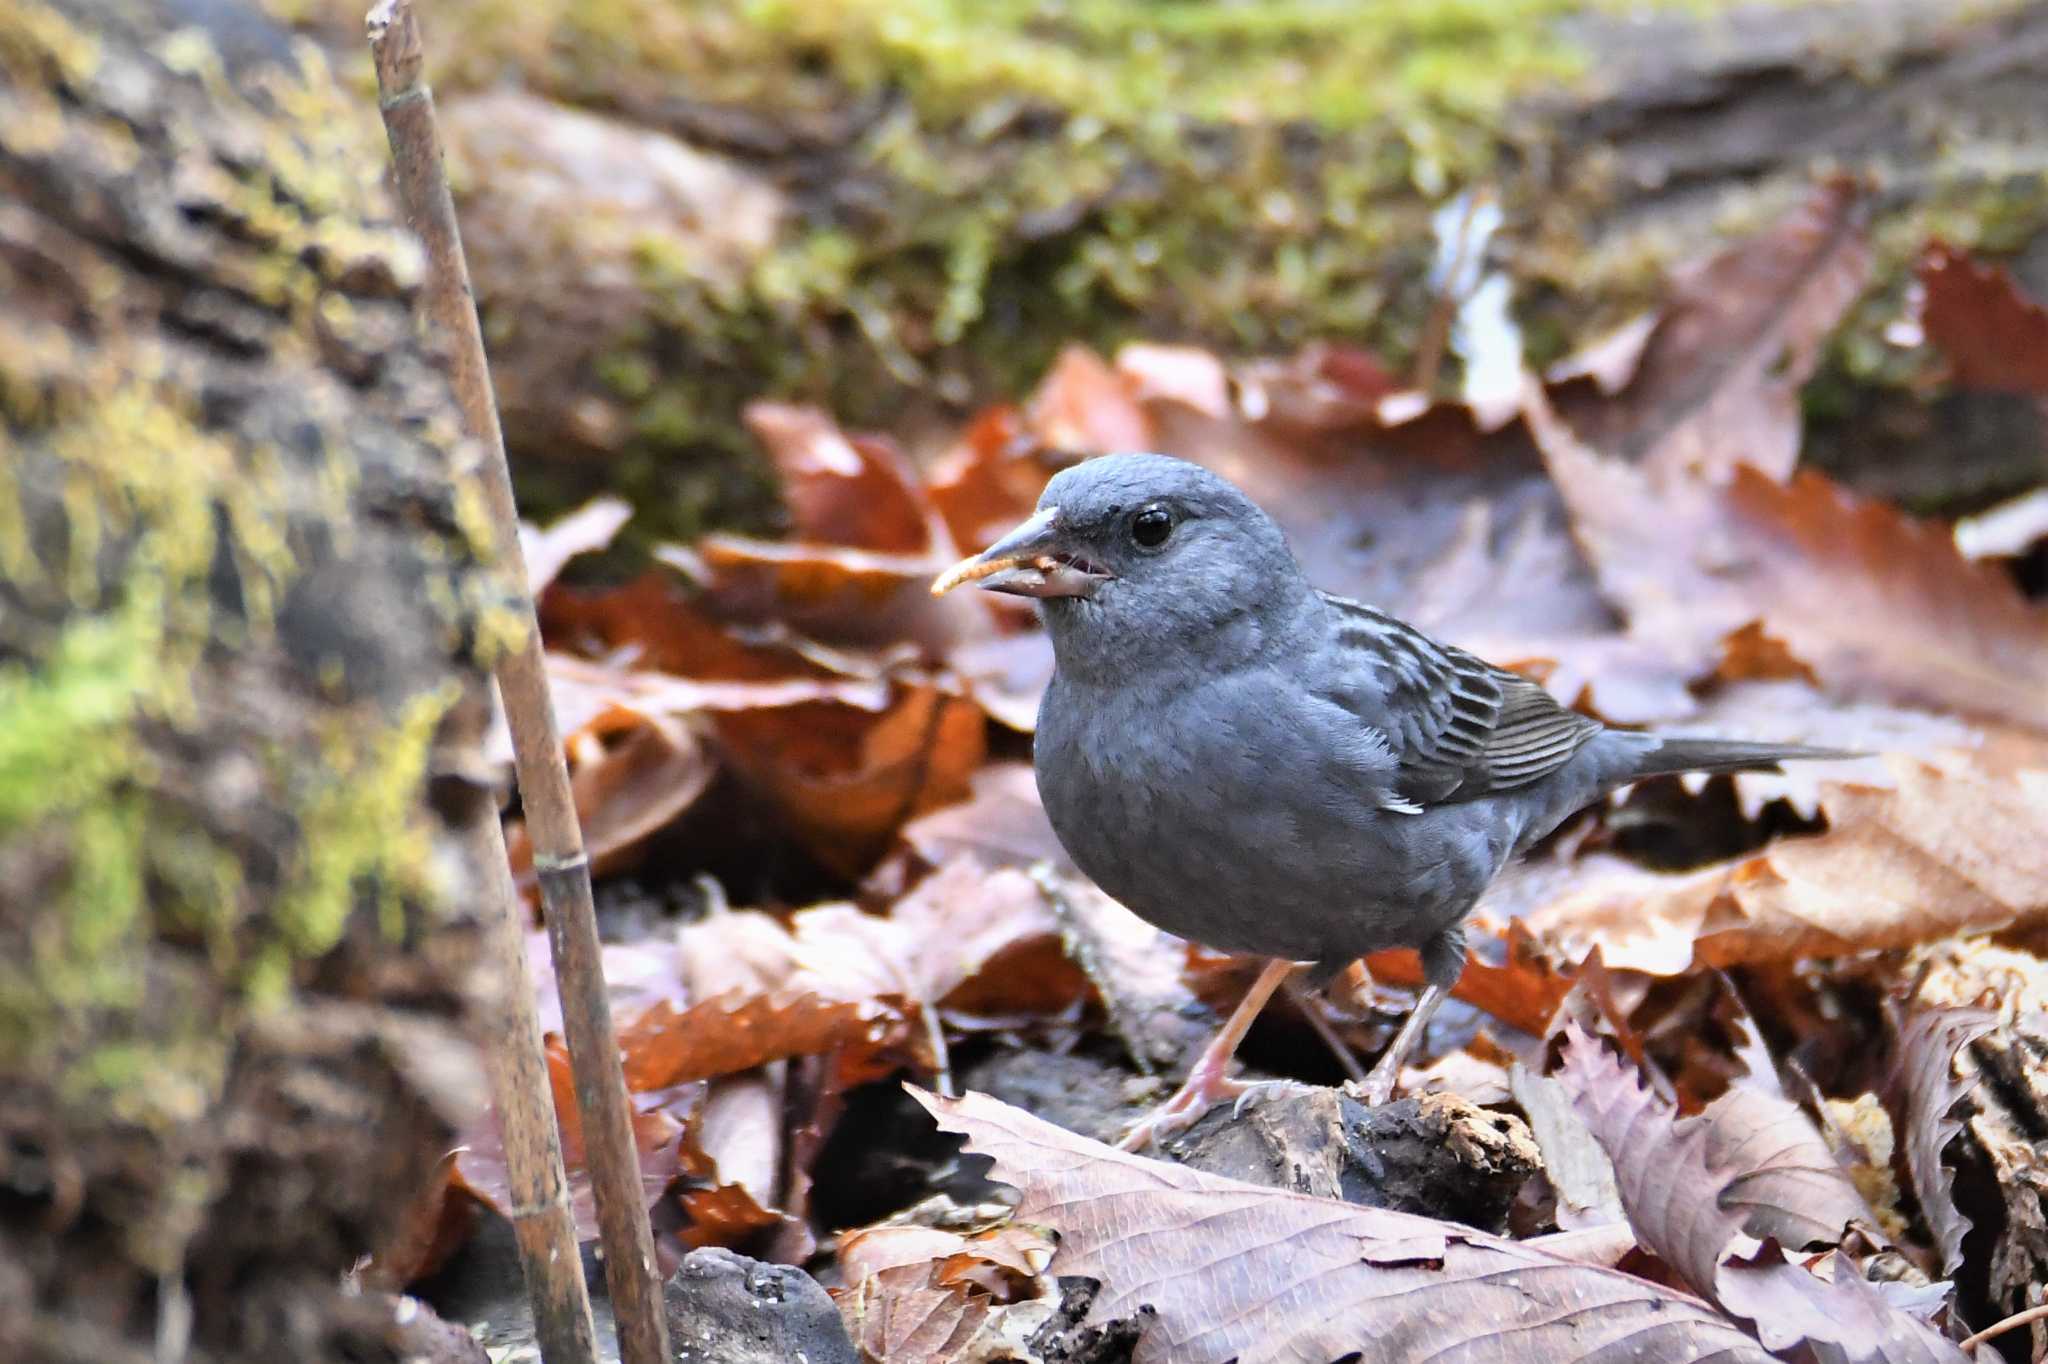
[{"x": 1458, "y": 726}]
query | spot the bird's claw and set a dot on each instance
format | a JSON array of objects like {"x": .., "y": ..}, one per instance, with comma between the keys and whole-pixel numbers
[
  {"x": 1263, "y": 1090},
  {"x": 1183, "y": 1110}
]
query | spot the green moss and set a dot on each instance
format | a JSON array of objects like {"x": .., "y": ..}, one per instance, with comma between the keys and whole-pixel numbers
[
  {"x": 357, "y": 812},
  {"x": 125, "y": 861}
]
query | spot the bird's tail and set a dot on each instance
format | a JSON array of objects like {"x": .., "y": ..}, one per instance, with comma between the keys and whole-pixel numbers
[{"x": 1679, "y": 754}]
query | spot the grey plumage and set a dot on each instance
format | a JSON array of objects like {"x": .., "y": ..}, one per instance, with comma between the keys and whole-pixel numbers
[{"x": 1266, "y": 768}]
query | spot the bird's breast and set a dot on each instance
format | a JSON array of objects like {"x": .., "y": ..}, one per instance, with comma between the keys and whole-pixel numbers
[{"x": 1223, "y": 816}]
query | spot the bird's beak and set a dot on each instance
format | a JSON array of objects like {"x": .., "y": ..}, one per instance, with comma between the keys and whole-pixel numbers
[{"x": 1028, "y": 562}]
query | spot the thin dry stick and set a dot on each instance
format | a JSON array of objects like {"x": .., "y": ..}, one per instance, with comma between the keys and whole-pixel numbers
[
  {"x": 539, "y": 1196},
  {"x": 562, "y": 869},
  {"x": 2011, "y": 1323}
]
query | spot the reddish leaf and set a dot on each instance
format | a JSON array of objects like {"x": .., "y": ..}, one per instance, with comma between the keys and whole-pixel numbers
[
  {"x": 990, "y": 478},
  {"x": 1876, "y": 604},
  {"x": 1994, "y": 335},
  {"x": 654, "y": 769},
  {"x": 1085, "y": 407},
  {"x": 1717, "y": 382},
  {"x": 854, "y": 491}
]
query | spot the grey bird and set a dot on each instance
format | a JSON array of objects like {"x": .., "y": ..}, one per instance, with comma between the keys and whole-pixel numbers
[{"x": 1269, "y": 769}]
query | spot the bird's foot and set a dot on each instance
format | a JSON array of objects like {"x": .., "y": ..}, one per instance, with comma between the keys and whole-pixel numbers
[
  {"x": 1377, "y": 1087},
  {"x": 1202, "y": 1092},
  {"x": 1259, "y": 1091}
]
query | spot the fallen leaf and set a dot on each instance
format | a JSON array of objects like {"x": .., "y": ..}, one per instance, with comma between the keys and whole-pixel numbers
[
  {"x": 1002, "y": 823},
  {"x": 1876, "y": 604},
  {"x": 1523, "y": 988},
  {"x": 859, "y": 492},
  {"x": 1716, "y": 383},
  {"x": 921, "y": 1295},
  {"x": 626, "y": 790},
  {"x": 990, "y": 477},
  {"x": 1952, "y": 847},
  {"x": 1085, "y": 407},
  {"x": 1925, "y": 1089},
  {"x": 848, "y": 780},
  {"x": 1676, "y": 1200},
  {"x": 1235, "y": 1271},
  {"x": 1786, "y": 1184},
  {"x": 1994, "y": 336},
  {"x": 480, "y": 1162},
  {"x": 1578, "y": 1169},
  {"x": 590, "y": 527}
]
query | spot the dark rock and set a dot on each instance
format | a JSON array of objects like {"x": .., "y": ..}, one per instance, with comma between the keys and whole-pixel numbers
[
  {"x": 1064, "y": 1340},
  {"x": 1076, "y": 1090},
  {"x": 727, "y": 1309}
]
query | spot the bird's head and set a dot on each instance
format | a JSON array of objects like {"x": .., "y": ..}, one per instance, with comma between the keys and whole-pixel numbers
[{"x": 1127, "y": 550}]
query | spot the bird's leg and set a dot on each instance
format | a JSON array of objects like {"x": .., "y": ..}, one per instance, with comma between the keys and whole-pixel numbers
[
  {"x": 1386, "y": 1072},
  {"x": 1443, "y": 961},
  {"x": 1209, "y": 1082}
]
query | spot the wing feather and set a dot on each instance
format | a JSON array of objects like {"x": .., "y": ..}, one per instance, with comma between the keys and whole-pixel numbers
[{"x": 1459, "y": 726}]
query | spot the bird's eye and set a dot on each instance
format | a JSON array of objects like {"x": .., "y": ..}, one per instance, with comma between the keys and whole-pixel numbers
[{"x": 1151, "y": 526}]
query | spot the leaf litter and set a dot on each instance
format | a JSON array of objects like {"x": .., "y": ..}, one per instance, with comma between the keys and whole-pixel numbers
[{"x": 798, "y": 717}]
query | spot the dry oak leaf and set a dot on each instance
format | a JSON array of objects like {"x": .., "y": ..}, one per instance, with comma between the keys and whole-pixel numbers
[
  {"x": 746, "y": 999},
  {"x": 1950, "y": 848},
  {"x": 1233, "y": 1271},
  {"x": 1994, "y": 336},
  {"x": 653, "y": 768},
  {"x": 1677, "y": 1202},
  {"x": 921, "y": 1295},
  {"x": 1876, "y": 604},
  {"x": 1716, "y": 382}
]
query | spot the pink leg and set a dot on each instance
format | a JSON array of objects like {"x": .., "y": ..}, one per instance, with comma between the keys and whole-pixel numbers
[{"x": 1209, "y": 1082}]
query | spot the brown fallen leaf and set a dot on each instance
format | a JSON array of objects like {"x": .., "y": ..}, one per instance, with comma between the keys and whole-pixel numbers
[
  {"x": 1083, "y": 406},
  {"x": 1235, "y": 1271},
  {"x": 1789, "y": 710},
  {"x": 1924, "y": 1089},
  {"x": 731, "y": 1153},
  {"x": 990, "y": 477},
  {"x": 1004, "y": 1262},
  {"x": 1952, "y": 847},
  {"x": 922, "y": 1295},
  {"x": 1716, "y": 382},
  {"x": 862, "y": 987},
  {"x": 848, "y": 780},
  {"x": 633, "y": 773},
  {"x": 1675, "y": 1197},
  {"x": 657, "y": 1132},
  {"x": 1003, "y": 823},
  {"x": 1994, "y": 336},
  {"x": 1523, "y": 988},
  {"x": 1786, "y": 1184},
  {"x": 1876, "y": 604},
  {"x": 855, "y": 491}
]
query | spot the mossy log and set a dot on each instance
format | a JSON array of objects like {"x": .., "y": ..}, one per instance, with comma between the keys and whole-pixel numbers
[
  {"x": 901, "y": 209},
  {"x": 243, "y": 611}
]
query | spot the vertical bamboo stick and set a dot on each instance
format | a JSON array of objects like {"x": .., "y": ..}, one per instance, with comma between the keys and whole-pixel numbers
[{"x": 561, "y": 867}]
